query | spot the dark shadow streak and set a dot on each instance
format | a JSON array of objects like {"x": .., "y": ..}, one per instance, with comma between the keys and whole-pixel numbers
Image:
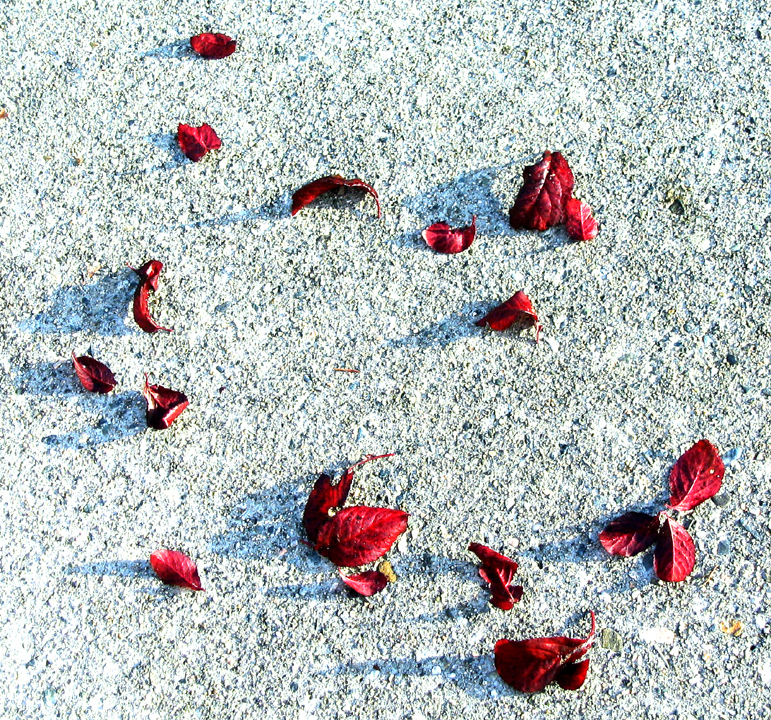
[
  {"x": 178, "y": 49},
  {"x": 122, "y": 568}
]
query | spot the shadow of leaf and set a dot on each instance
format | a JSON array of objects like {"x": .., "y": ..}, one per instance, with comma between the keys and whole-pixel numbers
[
  {"x": 454, "y": 327},
  {"x": 178, "y": 49},
  {"x": 122, "y": 568},
  {"x": 269, "y": 211}
]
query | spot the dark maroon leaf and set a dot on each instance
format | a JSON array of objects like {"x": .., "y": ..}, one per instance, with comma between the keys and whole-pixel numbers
[
  {"x": 580, "y": 222},
  {"x": 530, "y": 665},
  {"x": 213, "y": 45},
  {"x": 195, "y": 142},
  {"x": 164, "y": 405},
  {"x": 675, "y": 553},
  {"x": 516, "y": 312},
  {"x": 696, "y": 476},
  {"x": 308, "y": 193},
  {"x": 444, "y": 239},
  {"x": 498, "y": 571},
  {"x": 94, "y": 376},
  {"x": 542, "y": 199},
  {"x": 175, "y": 568},
  {"x": 359, "y": 535},
  {"x": 149, "y": 274},
  {"x": 367, "y": 583},
  {"x": 630, "y": 534}
]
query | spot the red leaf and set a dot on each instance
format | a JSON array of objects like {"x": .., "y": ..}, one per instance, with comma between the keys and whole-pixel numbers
[
  {"x": 367, "y": 583},
  {"x": 164, "y": 406},
  {"x": 498, "y": 571},
  {"x": 580, "y": 222},
  {"x": 696, "y": 476},
  {"x": 542, "y": 199},
  {"x": 517, "y": 311},
  {"x": 530, "y": 665},
  {"x": 213, "y": 45},
  {"x": 630, "y": 534},
  {"x": 358, "y": 535},
  {"x": 175, "y": 568},
  {"x": 94, "y": 376},
  {"x": 675, "y": 553},
  {"x": 308, "y": 193},
  {"x": 195, "y": 142},
  {"x": 149, "y": 274},
  {"x": 443, "y": 239}
]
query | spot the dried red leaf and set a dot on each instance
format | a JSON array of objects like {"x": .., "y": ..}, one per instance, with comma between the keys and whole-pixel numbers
[
  {"x": 367, "y": 583},
  {"x": 675, "y": 553},
  {"x": 696, "y": 476},
  {"x": 195, "y": 142},
  {"x": 498, "y": 571},
  {"x": 580, "y": 222},
  {"x": 542, "y": 199},
  {"x": 308, "y": 193},
  {"x": 175, "y": 568},
  {"x": 516, "y": 312},
  {"x": 530, "y": 665},
  {"x": 449, "y": 241},
  {"x": 630, "y": 534},
  {"x": 149, "y": 275},
  {"x": 213, "y": 45},
  {"x": 359, "y": 535},
  {"x": 94, "y": 376},
  {"x": 164, "y": 405}
]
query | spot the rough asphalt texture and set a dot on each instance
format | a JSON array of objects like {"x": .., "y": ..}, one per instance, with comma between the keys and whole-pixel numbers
[{"x": 656, "y": 335}]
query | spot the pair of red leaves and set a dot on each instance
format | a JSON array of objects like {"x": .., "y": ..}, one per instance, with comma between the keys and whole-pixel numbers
[
  {"x": 176, "y": 568},
  {"x": 313, "y": 190},
  {"x": 694, "y": 478},
  {"x": 149, "y": 275},
  {"x": 354, "y": 535},
  {"x": 498, "y": 572}
]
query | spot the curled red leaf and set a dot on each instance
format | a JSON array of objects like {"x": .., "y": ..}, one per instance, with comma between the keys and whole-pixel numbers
[
  {"x": 541, "y": 200},
  {"x": 498, "y": 571},
  {"x": 149, "y": 275},
  {"x": 696, "y": 476},
  {"x": 94, "y": 376},
  {"x": 308, "y": 193},
  {"x": 630, "y": 534},
  {"x": 675, "y": 553},
  {"x": 580, "y": 222},
  {"x": 175, "y": 568},
  {"x": 516, "y": 312},
  {"x": 530, "y": 665},
  {"x": 164, "y": 405},
  {"x": 195, "y": 142},
  {"x": 213, "y": 45},
  {"x": 444, "y": 239},
  {"x": 367, "y": 583}
]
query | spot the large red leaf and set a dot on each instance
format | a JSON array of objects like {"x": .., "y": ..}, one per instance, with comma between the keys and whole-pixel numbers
[
  {"x": 580, "y": 222},
  {"x": 675, "y": 553},
  {"x": 358, "y": 535},
  {"x": 195, "y": 142},
  {"x": 308, "y": 193},
  {"x": 94, "y": 376},
  {"x": 444, "y": 239},
  {"x": 213, "y": 45},
  {"x": 630, "y": 534},
  {"x": 367, "y": 583},
  {"x": 498, "y": 571},
  {"x": 530, "y": 665},
  {"x": 542, "y": 199},
  {"x": 175, "y": 568},
  {"x": 164, "y": 405},
  {"x": 696, "y": 476},
  {"x": 149, "y": 275},
  {"x": 516, "y": 312}
]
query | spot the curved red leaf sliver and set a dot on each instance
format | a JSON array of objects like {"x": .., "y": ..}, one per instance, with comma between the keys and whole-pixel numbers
[
  {"x": 308, "y": 193},
  {"x": 630, "y": 534},
  {"x": 94, "y": 376},
  {"x": 572, "y": 676},
  {"x": 517, "y": 311},
  {"x": 164, "y": 405},
  {"x": 175, "y": 568},
  {"x": 444, "y": 239},
  {"x": 696, "y": 476},
  {"x": 579, "y": 221},
  {"x": 541, "y": 201},
  {"x": 498, "y": 571},
  {"x": 214, "y": 46},
  {"x": 195, "y": 142},
  {"x": 675, "y": 554},
  {"x": 149, "y": 274},
  {"x": 367, "y": 583}
]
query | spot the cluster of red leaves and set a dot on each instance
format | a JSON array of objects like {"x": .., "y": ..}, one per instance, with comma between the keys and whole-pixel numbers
[
  {"x": 353, "y": 536},
  {"x": 498, "y": 572},
  {"x": 176, "y": 568},
  {"x": 149, "y": 275},
  {"x": 313, "y": 190},
  {"x": 694, "y": 478}
]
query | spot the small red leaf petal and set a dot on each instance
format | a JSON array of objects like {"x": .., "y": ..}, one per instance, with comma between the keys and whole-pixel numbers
[
  {"x": 322, "y": 499},
  {"x": 498, "y": 571},
  {"x": 308, "y": 193},
  {"x": 696, "y": 476},
  {"x": 195, "y": 142},
  {"x": 149, "y": 275},
  {"x": 444, "y": 239},
  {"x": 675, "y": 553},
  {"x": 175, "y": 568},
  {"x": 516, "y": 312},
  {"x": 580, "y": 222},
  {"x": 547, "y": 188},
  {"x": 94, "y": 376},
  {"x": 630, "y": 534},
  {"x": 213, "y": 45},
  {"x": 367, "y": 583},
  {"x": 572, "y": 676},
  {"x": 164, "y": 405}
]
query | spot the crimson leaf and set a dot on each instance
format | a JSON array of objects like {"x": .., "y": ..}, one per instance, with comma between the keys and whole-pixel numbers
[
  {"x": 164, "y": 405},
  {"x": 175, "y": 568},
  {"x": 630, "y": 534},
  {"x": 367, "y": 583},
  {"x": 542, "y": 199},
  {"x": 149, "y": 274},
  {"x": 308, "y": 193},
  {"x": 213, "y": 45},
  {"x": 517, "y": 311},
  {"x": 696, "y": 476},
  {"x": 449, "y": 241},
  {"x": 675, "y": 553},
  {"x": 195, "y": 142},
  {"x": 498, "y": 571},
  {"x": 94, "y": 376},
  {"x": 580, "y": 222}
]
